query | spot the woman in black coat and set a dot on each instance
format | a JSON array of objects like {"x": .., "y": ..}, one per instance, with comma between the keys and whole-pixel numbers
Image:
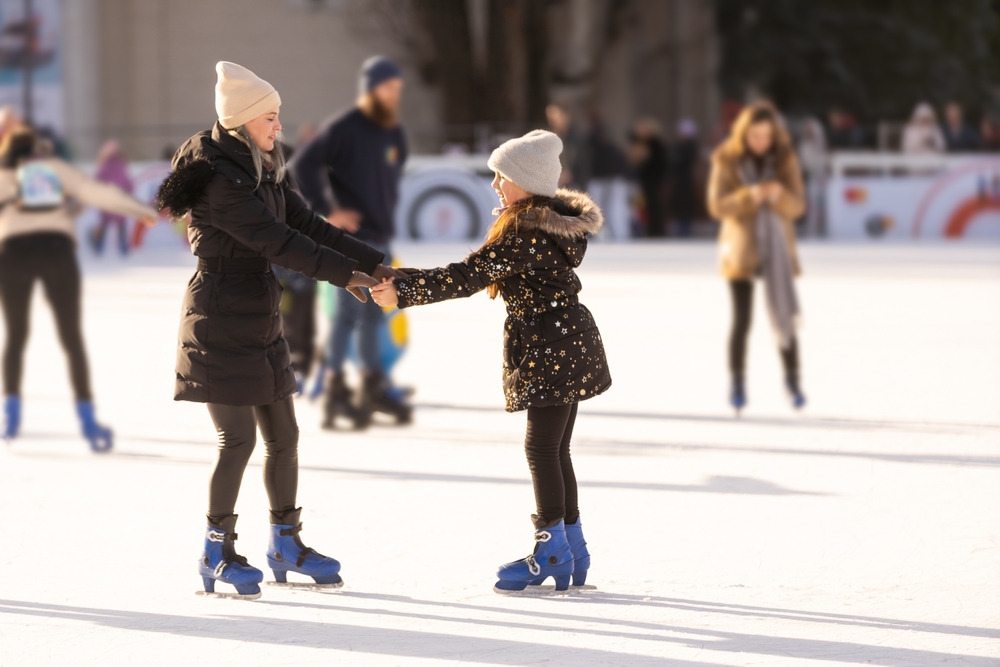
[
  {"x": 553, "y": 353},
  {"x": 231, "y": 354}
]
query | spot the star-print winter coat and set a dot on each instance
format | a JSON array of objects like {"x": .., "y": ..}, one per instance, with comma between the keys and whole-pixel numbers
[{"x": 553, "y": 353}]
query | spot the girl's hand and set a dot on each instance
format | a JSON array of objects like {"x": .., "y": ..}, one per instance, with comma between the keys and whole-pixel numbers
[{"x": 385, "y": 294}]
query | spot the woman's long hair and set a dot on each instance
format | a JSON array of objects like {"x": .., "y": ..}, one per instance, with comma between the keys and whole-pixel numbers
[
  {"x": 273, "y": 159},
  {"x": 735, "y": 146},
  {"x": 506, "y": 224}
]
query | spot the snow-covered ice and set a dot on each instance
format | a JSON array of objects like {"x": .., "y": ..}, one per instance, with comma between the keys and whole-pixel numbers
[{"x": 865, "y": 530}]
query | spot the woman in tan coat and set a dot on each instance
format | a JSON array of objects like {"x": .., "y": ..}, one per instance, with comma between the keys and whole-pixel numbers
[{"x": 755, "y": 191}]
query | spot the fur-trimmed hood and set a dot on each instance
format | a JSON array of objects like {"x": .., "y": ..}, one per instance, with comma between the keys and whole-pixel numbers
[
  {"x": 569, "y": 219},
  {"x": 194, "y": 165},
  {"x": 570, "y": 214}
]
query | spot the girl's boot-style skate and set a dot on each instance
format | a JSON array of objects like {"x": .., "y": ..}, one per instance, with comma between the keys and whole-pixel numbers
[
  {"x": 581, "y": 556},
  {"x": 286, "y": 553},
  {"x": 551, "y": 558},
  {"x": 220, "y": 562},
  {"x": 100, "y": 437}
]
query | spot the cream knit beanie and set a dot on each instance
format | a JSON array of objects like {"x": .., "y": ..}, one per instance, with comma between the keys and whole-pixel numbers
[
  {"x": 240, "y": 95},
  {"x": 531, "y": 162}
]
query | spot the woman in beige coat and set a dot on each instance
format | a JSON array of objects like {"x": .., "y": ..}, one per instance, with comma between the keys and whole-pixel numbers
[
  {"x": 755, "y": 191},
  {"x": 37, "y": 243}
]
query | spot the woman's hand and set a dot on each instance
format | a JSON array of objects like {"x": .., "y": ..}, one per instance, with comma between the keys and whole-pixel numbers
[
  {"x": 385, "y": 294},
  {"x": 773, "y": 191},
  {"x": 382, "y": 272},
  {"x": 357, "y": 281}
]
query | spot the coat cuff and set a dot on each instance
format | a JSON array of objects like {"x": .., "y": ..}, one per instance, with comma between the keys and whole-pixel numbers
[
  {"x": 339, "y": 274},
  {"x": 367, "y": 257}
]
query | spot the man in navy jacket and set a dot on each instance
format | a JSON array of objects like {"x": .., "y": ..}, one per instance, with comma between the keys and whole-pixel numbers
[{"x": 350, "y": 172}]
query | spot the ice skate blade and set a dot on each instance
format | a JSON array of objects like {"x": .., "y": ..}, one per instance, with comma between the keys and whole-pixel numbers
[
  {"x": 307, "y": 586},
  {"x": 548, "y": 590},
  {"x": 230, "y": 596}
]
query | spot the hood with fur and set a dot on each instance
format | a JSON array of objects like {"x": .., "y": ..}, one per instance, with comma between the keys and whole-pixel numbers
[{"x": 568, "y": 218}]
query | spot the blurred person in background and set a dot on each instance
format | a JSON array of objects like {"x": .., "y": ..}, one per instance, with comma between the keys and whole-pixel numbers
[
  {"x": 989, "y": 130},
  {"x": 755, "y": 191},
  {"x": 813, "y": 156},
  {"x": 959, "y": 136},
  {"x": 37, "y": 243},
  {"x": 575, "y": 158},
  {"x": 843, "y": 131},
  {"x": 608, "y": 183},
  {"x": 922, "y": 133},
  {"x": 112, "y": 168},
  {"x": 553, "y": 356},
  {"x": 351, "y": 171},
  {"x": 685, "y": 156},
  {"x": 650, "y": 162},
  {"x": 231, "y": 354}
]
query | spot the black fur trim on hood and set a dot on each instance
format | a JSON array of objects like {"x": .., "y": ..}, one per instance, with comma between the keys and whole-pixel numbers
[{"x": 183, "y": 188}]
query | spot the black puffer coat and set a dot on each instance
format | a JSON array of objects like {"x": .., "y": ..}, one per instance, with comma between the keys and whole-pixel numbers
[
  {"x": 553, "y": 353},
  {"x": 231, "y": 349}
]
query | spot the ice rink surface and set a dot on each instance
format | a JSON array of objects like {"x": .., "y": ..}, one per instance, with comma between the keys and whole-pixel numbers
[{"x": 865, "y": 530}]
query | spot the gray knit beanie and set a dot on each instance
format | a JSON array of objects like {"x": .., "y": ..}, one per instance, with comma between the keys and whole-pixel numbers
[{"x": 531, "y": 162}]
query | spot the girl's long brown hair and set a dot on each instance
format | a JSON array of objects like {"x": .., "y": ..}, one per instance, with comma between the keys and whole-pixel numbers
[
  {"x": 506, "y": 224},
  {"x": 735, "y": 146}
]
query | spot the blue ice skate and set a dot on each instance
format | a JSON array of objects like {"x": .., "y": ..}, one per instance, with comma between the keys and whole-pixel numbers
[
  {"x": 795, "y": 394},
  {"x": 100, "y": 437},
  {"x": 286, "y": 553},
  {"x": 581, "y": 556},
  {"x": 551, "y": 558},
  {"x": 738, "y": 395},
  {"x": 12, "y": 416},
  {"x": 220, "y": 562}
]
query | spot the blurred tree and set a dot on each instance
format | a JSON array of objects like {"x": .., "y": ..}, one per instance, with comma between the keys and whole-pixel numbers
[
  {"x": 493, "y": 59},
  {"x": 875, "y": 58}
]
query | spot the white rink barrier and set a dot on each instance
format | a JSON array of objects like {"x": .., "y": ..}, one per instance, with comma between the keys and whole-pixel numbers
[
  {"x": 928, "y": 197},
  {"x": 442, "y": 198}
]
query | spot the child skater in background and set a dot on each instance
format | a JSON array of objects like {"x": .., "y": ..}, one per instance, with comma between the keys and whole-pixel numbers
[{"x": 553, "y": 355}]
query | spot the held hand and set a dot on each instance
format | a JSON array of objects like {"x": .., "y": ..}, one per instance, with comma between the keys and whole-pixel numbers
[
  {"x": 357, "y": 281},
  {"x": 382, "y": 272},
  {"x": 346, "y": 219},
  {"x": 385, "y": 294}
]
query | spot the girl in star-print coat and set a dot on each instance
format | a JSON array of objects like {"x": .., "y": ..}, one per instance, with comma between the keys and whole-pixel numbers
[{"x": 553, "y": 353}]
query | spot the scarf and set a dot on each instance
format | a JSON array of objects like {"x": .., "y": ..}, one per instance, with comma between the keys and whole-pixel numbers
[{"x": 775, "y": 260}]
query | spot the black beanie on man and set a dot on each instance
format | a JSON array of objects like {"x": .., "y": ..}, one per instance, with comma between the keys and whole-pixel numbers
[{"x": 376, "y": 70}]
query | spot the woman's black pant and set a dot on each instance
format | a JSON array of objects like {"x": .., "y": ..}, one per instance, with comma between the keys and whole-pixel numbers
[
  {"x": 237, "y": 428},
  {"x": 742, "y": 292},
  {"x": 49, "y": 257},
  {"x": 546, "y": 445}
]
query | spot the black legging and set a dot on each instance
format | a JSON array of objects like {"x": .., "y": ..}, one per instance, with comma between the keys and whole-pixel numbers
[
  {"x": 237, "y": 428},
  {"x": 546, "y": 445},
  {"x": 51, "y": 258},
  {"x": 742, "y": 291}
]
